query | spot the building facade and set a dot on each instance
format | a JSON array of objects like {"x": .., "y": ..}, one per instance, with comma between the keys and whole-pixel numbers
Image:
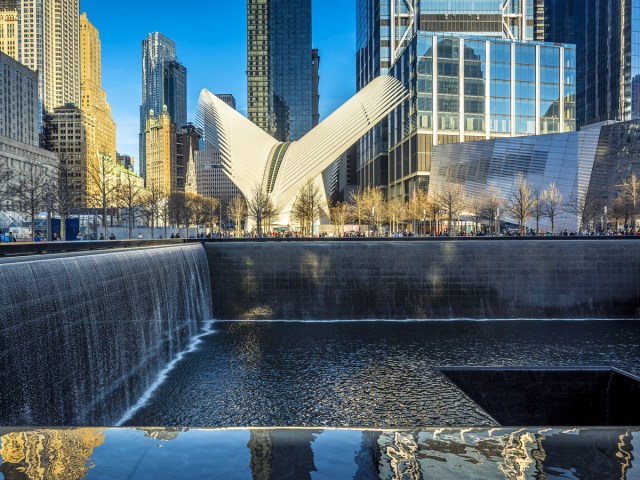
[
  {"x": 466, "y": 89},
  {"x": 18, "y": 101},
  {"x": 174, "y": 92},
  {"x": 587, "y": 167},
  {"x": 280, "y": 67},
  {"x": 159, "y": 59},
  {"x": 22, "y": 158},
  {"x": 386, "y": 28},
  {"x": 94, "y": 98},
  {"x": 126, "y": 161},
  {"x": 161, "y": 165},
  {"x": 70, "y": 133},
  {"x": 187, "y": 144},
  {"x": 211, "y": 180},
  {"x": 607, "y": 35},
  {"x": 19, "y": 136},
  {"x": 48, "y": 41},
  {"x": 9, "y": 27}
]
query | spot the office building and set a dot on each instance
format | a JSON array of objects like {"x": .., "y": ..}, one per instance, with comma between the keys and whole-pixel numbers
[
  {"x": 19, "y": 131},
  {"x": 71, "y": 134},
  {"x": 608, "y": 49},
  {"x": 126, "y": 161},
  {"x": 161, "y": 166},
  {"x": 466, "y": 89},
  {"x": 174, "y": 92},
  {"x": 388, "y": 32},
  {"x": 159, "y": 60},
  {"x": 48, "y": 41},
  {"x": 9, "y": 27},
  {"x": 315, "y": 92},
  {"x": 18, "y": 101},
  {"x": 94, "y": 98},
  {"x": 280, "y": 68}
]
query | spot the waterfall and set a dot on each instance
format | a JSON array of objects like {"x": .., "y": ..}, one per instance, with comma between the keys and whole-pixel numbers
[{"x": 83, "y": 336}]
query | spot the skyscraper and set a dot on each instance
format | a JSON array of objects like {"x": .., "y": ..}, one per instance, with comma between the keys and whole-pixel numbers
[
  {"x": 452, "y": 99},
  {"x": 163, "y": 83},
  {"x": 280, "y": 67},
  {"x": 9, "y": 27},
  {"x": 44, "y": 35},
  {"x": 94, "y": 98},
  {"x": 607, "y": 36}
]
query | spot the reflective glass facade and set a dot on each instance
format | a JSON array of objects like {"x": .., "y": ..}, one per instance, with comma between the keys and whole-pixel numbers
[
  {"x": 280, "y": 67},
  {"x": 465, "y": 89},
  {"x": 373, "y": 58},
  {"x": 608, "y": 41},
  {"x": 386, "y": 29}
]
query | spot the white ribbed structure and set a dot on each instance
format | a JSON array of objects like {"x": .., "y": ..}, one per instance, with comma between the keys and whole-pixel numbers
[
  {"x": 247, "y": 150},
  {"x": 244, "y": 147}
]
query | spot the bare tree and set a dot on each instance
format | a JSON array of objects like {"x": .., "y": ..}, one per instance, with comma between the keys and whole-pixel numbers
[
  {"x": 205, "y": 210},
  {"x": 586, "y": 207},
  {"x": 451, "y": 199},
  {"x": 357, "y": 207},
  {"x": 552, "y": 204},
  {"x": 474, "y": 207},
  {"x": 130, "y": 196},
  {"x": 396, "y": 212},
  {"x": 102, "y": 186},
  {"x": 630, "y": 191},
  {"x": 537, "y": 210},
  {"x": 182, "y": 209},
  {"x": 491, "y": 204},
  {"x": 260, "y": 208},
  {"x": 307, "y": 207},
  {"x": 339, "y": 213},
  {"x": 521, "y": 202},
  {"x": 238, "y": 211},
  {"x": 7, "y": 183},
  {"x": 33, "y": 189},
  {"x": 151, "y": 203}
]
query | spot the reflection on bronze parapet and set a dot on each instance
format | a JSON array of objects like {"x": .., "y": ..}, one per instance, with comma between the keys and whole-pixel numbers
[
  {"x": 517, "y": 459},
  {"x": 49, "y": 454},
  {"x": 282, "y": 454},
  {"x": 162, "y": 434},
  {"x": 402, "y": 455}
]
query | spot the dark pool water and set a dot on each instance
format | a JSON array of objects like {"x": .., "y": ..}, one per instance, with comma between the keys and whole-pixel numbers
[{"x": 366, "y": 374}]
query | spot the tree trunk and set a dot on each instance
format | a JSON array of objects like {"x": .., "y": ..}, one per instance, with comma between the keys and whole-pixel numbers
[{"x": 63, "y": 227}]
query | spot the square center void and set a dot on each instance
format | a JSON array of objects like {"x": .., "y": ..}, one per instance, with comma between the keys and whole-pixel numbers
[{"x": 567, "y": 397}]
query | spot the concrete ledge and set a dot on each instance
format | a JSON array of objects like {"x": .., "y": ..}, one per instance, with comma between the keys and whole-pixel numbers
[{"x": 38, "y": 248}]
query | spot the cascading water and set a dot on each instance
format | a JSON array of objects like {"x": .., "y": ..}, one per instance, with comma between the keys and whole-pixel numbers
[{"x": 83, "y": 337}]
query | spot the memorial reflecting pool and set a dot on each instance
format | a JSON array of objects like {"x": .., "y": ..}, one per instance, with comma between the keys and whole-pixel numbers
[{"x": 366, "y": 374}]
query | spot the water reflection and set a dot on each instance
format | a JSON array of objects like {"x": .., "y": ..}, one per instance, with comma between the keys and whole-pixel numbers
[
  {"x": 48, "y": 454},
  {"x": 156, "y": 453}
]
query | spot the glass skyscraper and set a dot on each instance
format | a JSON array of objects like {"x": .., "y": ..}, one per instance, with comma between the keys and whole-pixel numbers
[
  {"x": 608, "y": 46},
  {"x": 164, "y": 82},
  {"x": 280, "y": 67},
  {"x": 471, "y": 88},
  {"x": 386, "y": 28}
]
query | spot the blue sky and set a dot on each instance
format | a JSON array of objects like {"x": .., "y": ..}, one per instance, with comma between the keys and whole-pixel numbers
[{"x": 211, "y": 42}]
